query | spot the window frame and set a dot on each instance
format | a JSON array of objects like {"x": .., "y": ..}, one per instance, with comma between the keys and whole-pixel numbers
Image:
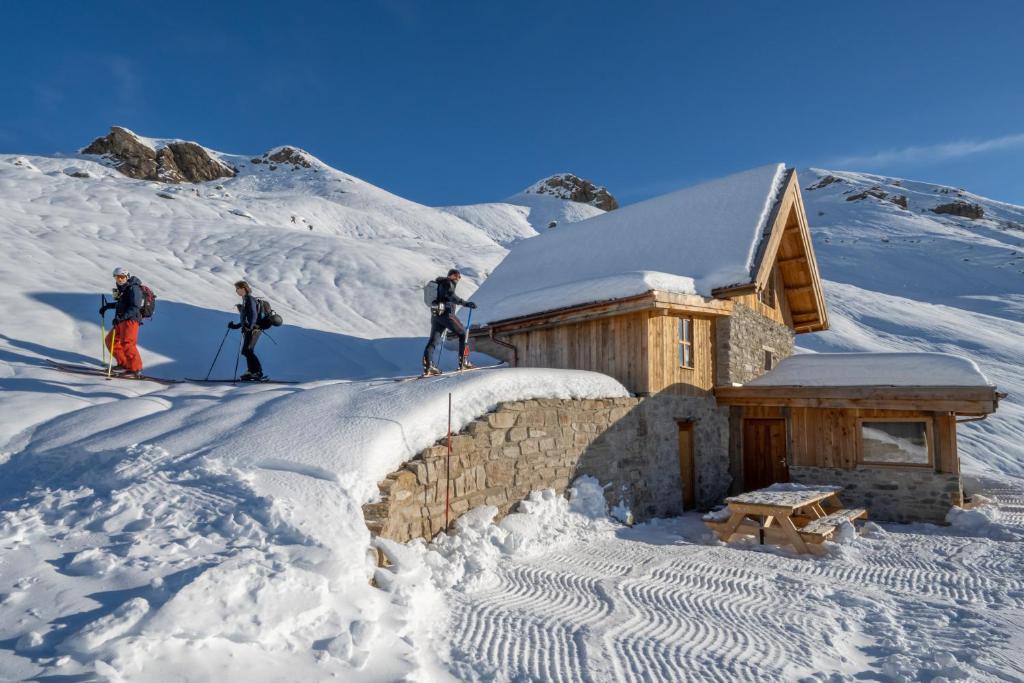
[
  {"x": 929, "y": 432},
  {"x": 683, "y": 344},
  {"x": 767, "y": 294}
]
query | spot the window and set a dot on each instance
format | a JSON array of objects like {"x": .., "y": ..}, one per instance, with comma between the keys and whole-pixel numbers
[
  {"x": 686, "y": 342},
  {"x": 896, "y": 442},
  {"x": 767, "y": 295},
  {"x": 769, "y": 360}
]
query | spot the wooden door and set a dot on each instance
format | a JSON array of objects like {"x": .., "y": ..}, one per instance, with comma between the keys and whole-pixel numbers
[
  {"x": 764, "y": 453},
  {"x": 686, "y": 469}
]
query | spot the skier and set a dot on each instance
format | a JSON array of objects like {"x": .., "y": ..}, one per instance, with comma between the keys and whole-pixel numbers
[
  {"x": 443, "y": 318},
  {"x": 124, "y": 334},
  {"x": 248, "y": 318}
]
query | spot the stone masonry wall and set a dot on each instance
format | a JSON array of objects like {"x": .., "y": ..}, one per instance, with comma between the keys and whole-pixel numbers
[
  {"x": 630, "y": 444},
  {"x": 741, "y": 340},
  {"x": 890, "y": 495}
]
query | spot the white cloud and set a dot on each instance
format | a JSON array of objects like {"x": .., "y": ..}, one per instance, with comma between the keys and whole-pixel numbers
[{"x": 929, "y": 153}]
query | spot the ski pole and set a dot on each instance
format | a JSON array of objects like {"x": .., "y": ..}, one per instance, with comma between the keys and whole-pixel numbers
[
  {"x": 269, "y": 337},
  {"x": 103, "y": 329},
  {"x": 228, "y": 331},
  {"x": 234, "y": 377},
  {"x": 444, "y": 336},
  {"x": 113, "y": 342}
]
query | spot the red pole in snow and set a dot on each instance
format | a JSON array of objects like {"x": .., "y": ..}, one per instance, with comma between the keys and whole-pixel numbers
[{"x": 448, "y": 466}]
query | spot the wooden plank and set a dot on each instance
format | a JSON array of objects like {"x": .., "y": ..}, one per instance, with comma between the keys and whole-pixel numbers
[
  {"x": 793, "y": 259},
  {"x": 948, "y": 457}
]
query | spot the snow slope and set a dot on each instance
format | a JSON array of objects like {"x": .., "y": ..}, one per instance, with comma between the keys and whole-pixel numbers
[
  {"x": 524, "y": 214},
  {"x": 341, "y": 260},
  {"x": 207, "y": 532},
  {"x": 910, "y": 280}
]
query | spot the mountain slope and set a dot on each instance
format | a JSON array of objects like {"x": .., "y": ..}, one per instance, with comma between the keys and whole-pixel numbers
[
  {"x": 532, "y": 211},
  {"x": 910, "y": 279},
  {"x": 341, "y": 260}
]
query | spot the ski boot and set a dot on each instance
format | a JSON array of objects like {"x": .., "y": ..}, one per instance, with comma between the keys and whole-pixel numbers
[
  {"x": 128, "y": 374},
  {"x": 465, "y": 364},
  {"x": 429, "y": 368},
  {"x": 251, "y": 377}
]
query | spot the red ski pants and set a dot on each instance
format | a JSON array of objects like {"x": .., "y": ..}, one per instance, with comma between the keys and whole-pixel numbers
[{"x": 124, "y": 336}]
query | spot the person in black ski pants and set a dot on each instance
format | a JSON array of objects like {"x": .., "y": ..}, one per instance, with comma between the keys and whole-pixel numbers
[
  {"x": 248, "y": 317},
  {"x": 443, "y": 318}
]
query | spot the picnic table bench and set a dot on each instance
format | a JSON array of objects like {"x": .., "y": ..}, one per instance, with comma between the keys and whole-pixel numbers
[{"x": 786, "y": 516}]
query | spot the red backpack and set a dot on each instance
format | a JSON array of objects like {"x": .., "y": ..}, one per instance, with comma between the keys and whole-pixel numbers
[{"x": 148, "y": 302}]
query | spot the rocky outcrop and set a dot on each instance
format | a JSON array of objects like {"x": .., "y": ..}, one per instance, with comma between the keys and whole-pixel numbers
[
  {"x": 825, "y": 182},
  {"x": 576, "y": 189},
  {"x": 284, "y": 156},
  {"x": 878, "y": 193},
  {"x": 961, "y": 209},
  {"x": 175, "y": 162}
]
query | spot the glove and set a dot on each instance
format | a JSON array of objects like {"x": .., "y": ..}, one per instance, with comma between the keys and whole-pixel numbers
[
  {"x": 105, "y": 307},
  {"x": 234, "y": 326},
  {"x": 470, "y": 304}
]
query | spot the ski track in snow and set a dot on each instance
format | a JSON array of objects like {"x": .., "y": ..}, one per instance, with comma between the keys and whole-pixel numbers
[{"x": 654, "y": 603}]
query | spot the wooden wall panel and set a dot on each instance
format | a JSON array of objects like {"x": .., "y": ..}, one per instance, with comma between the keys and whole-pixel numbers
[
  {"x": 664, "y": 373},
  {"x": 828, "y": 437},
  {"x": 614, "y": 346}
]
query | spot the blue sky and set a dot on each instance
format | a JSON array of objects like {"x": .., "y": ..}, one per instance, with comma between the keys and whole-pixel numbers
[{"x": 457, "y": 102}]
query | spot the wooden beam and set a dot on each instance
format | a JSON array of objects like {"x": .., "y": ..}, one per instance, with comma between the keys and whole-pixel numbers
[
  {"x": 863, "y": 391},
  {"x": 960, "y": 400},
  {"x": 792, "y": 259},
  {"x": 800, "y": 289}
]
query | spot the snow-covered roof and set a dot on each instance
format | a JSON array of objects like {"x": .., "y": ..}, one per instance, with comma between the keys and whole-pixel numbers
[
  {"x": 690, "y": 241},
  {"x": 874, "y": 369}
]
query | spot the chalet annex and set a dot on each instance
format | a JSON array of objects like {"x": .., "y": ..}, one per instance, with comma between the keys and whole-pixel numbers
[{"x": 692, "y": 300}]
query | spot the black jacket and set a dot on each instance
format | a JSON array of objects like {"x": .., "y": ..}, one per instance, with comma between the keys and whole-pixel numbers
[
  {"x": 248, "y": 311},
  {"x": 446, "y": 295},
  {"x": 129, "y": 300}
]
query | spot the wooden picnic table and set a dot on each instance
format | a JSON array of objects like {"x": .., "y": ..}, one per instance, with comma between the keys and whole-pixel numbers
[{"x": 786, "y": 516}]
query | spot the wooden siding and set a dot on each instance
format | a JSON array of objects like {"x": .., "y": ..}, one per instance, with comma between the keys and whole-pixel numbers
[
  {"x": 830, "y": 437},
  {"x": 615, "y": 346},
  {"x": 664, "y": 373}
]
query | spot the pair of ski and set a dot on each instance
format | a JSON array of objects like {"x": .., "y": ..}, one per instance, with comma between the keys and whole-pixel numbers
[
  {"x": 99, "y": 371},
  {"x": 454, "y": 373}
]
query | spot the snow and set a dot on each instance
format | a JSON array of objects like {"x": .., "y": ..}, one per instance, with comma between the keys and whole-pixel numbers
[
  {"x": 874, "y": 369},
  {"x": 523, "y": 215},
  {"x": 235, "y": 518},
  {"x": 667, "y": 601},
  {"x": 214, "y": 532},
  {"x": 909, "y": 280},
  {"x": 705, "y": 236},
  {"x": 588, "y": 291}
]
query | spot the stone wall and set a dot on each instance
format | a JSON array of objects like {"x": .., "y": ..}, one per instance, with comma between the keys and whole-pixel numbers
[
  {"x": 890, "y": 494},
  {"x": 629, "y": 444},
  {"x": 741, "y": 340}
]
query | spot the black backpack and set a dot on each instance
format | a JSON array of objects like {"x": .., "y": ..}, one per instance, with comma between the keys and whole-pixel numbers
[{"x": 265, "y": 315}]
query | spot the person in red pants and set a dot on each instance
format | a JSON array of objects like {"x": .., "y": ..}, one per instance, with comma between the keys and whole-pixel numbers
[{"x": 123, "y": 336}]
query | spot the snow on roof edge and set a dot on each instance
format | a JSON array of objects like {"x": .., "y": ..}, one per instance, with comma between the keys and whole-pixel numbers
[
  {"x": 897, "y": 369},
  {"x": 772, "y": 201}
]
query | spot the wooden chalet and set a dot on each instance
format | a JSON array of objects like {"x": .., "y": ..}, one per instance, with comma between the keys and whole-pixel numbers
[{"x": 688, "y": 299}]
